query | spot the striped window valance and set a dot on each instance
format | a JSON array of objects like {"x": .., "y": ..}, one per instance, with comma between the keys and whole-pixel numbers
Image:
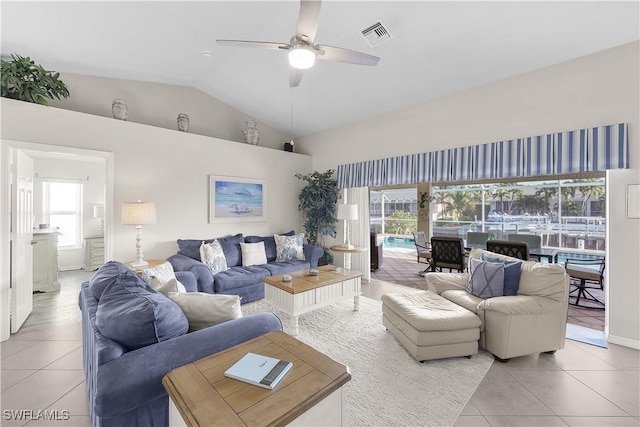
[{"x": 585, "y": 150}]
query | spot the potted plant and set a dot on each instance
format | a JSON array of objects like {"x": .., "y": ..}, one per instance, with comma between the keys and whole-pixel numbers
[
  {"x": 317, "y": 201},
  {"x": 25, "y": 80}
]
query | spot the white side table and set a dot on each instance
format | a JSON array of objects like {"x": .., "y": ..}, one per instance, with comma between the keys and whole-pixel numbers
[{"x": 347, "y": 253}]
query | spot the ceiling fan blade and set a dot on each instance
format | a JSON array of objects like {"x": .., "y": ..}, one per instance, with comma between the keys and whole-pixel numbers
[
  {"x": 307, "y": 25},
  {"x": 260, "y": 45},
  {"x": 295, "y": 76},
  {"x": 339, "y": 54}
]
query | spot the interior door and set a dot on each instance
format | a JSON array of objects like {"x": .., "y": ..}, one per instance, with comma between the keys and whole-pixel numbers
[{"x": 22, "y": 238}]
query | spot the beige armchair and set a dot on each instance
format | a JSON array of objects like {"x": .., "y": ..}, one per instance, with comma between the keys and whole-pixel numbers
[{"x": 532, "y": 321}]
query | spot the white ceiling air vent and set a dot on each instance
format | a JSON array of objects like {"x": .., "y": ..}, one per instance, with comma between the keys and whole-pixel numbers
[{"x": 376, "y": 34}]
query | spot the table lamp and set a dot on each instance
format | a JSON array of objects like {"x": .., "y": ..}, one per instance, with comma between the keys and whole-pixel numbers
[
  {"x": 98, "y": 212},
  {"x": 138, "y": 214},
  {"x": 347, "y": 213}
]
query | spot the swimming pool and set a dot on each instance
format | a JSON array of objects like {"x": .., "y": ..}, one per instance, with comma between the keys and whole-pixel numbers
[{"x": 392, "y": 242}]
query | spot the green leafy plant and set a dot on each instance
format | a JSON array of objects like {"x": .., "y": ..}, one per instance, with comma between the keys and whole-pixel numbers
[
  {"x": 25, "y": 80},
  {"x": 317, "y": 201}
]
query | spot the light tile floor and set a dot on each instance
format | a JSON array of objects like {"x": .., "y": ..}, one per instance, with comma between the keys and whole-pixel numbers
[{"x": 580, "y": 385}]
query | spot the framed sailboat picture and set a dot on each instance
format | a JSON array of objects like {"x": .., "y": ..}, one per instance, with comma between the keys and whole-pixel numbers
[{"x": 237, "y": 199}]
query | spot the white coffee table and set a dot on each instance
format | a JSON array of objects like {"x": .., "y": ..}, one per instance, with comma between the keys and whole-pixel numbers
[{"x": 305, "y": 292}]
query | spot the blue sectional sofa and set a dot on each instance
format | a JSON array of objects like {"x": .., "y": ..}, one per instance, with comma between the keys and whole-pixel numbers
[
  {"x": 124, "y": 374},
  {"x": 239, "y": 280}
]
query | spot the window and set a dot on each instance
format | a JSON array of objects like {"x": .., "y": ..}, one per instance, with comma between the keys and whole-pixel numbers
[{"x": 62, "y": 206}]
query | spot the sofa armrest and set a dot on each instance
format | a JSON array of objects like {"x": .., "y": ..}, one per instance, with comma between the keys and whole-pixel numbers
[
  {"x": 203, "y": 276},
  {"x": 312, "y": 253},
  {"x": 440, "y": 282},
  {"x": 135, "y": 379},
  {"x": 188, "y": 280}
]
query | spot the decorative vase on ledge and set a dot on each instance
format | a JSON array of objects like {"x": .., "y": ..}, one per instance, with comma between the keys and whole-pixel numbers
[
  {"x": 119, "y": 109},
  {"x": 251, "y": 135},
  {"x": 183, "y": 122}
]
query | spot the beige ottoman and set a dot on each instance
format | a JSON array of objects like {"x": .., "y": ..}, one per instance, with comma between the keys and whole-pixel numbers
[{"x": 429, "y": 326}]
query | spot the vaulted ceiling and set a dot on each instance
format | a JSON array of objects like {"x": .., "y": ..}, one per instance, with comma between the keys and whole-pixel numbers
[{"x": 436, "y": 49}]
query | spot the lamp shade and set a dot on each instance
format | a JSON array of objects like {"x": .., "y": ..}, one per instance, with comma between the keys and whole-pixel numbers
[
  {"x": 98, "y": 211},
  {"x": 347, "y": 212},
  {"x": 138, "y": 213}
]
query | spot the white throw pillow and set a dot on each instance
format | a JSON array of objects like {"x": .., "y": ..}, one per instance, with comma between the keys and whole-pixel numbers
[
  {"x": 212, "y": 255},
  {"x": 253, "y": 254},
  {"x": 172, "y": 285},
  {"x": 162, "y": 273},
  {"x": 204, "y": 310},
  {"x": 289, "y": 247}
]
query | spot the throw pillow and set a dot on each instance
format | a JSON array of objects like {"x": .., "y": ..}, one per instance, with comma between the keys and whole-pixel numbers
[
  {"x": 289, "y": 247},
  {"x": 269, "y": 243},
  {"x": 253, "y": 254},
  {"x": 204, "y": 310},
  {"x": 136, "y": 316},
  {"x": 213, "y": 257},
  {"x": 512, "y": 271},
  {"x": 486, "y": 279},
  {"x": 171, "y": 285},
  {"x": 162, "y": 273}
]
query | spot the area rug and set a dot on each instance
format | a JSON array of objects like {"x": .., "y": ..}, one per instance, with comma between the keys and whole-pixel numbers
[
  {"x": 388, "y": 387},
  {"x": 586, "y": 335}
]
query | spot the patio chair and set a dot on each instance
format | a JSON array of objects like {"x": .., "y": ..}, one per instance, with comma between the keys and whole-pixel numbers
[
  {"x": 534, "y": 241},
  {"x": 475, "y": 238},
  {"x": 423, "y": 250},
  {"x": 447, "y": 252},
  {"x": 585, "y": 274},
  {"x": 518, "y": 250}
]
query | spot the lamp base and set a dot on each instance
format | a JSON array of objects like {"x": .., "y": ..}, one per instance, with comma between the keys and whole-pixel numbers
[{"x": 346, "y": 246}]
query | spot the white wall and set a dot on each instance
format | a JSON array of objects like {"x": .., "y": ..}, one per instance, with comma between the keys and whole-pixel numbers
[
  {"x": 598, "y": 89},
  {"x": 169, "y": 168},
  {"x": 159, "y": 104},
  {"x": 92, "y": 176}
]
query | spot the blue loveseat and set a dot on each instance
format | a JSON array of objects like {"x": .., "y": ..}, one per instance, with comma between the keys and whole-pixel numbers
[
  {"x": 239, "y": 280},
  {"x": 124, "y": 375}
]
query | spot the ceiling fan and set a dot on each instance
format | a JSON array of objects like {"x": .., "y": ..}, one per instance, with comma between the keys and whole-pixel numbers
[{"x": 302, "y": 51}]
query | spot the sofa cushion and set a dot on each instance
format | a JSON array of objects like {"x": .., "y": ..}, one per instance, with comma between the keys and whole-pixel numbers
[
  {"x": 106, "y": 275},
  {"x": 135, "y": 315},
  {"x": 463, "y": 299},
  {"x": 213, "y": 257},
  {"x": 276, "y": 268},
  {"x": 237, "y": 277},
  {"x": 231, "y": 248},
  {"x": 289, "y": 247},
  {"x": 204, "y": 310},
  {"x": 269, "y": 243},
  {"x": 486, "y": 279},
  {"x": 191, "y": 247},
  {"x": 253, "y": 254},
  {"x": 512, "y": 270}
]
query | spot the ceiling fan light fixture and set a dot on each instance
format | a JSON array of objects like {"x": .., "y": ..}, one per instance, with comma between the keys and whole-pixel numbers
[{"x": 301, "y": 56}]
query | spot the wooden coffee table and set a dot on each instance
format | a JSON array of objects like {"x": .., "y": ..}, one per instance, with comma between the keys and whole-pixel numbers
[
  {"x": 305, "y": 292},
  {"x": 310, "y": 394}
]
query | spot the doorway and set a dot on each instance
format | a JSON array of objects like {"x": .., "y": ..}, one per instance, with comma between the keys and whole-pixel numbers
[{"x": 54, "y": 162}]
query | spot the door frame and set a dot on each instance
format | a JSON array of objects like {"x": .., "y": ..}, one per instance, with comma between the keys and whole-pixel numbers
[{"x": 5, "y": 202}]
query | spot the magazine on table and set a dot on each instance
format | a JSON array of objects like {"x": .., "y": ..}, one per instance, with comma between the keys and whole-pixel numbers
[{"x": 259, "y": 370}]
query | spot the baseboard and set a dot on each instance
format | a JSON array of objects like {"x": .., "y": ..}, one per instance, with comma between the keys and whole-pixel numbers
[
  {"x": 71, "y": 267},
  {"x": 625, "y": 342}
]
